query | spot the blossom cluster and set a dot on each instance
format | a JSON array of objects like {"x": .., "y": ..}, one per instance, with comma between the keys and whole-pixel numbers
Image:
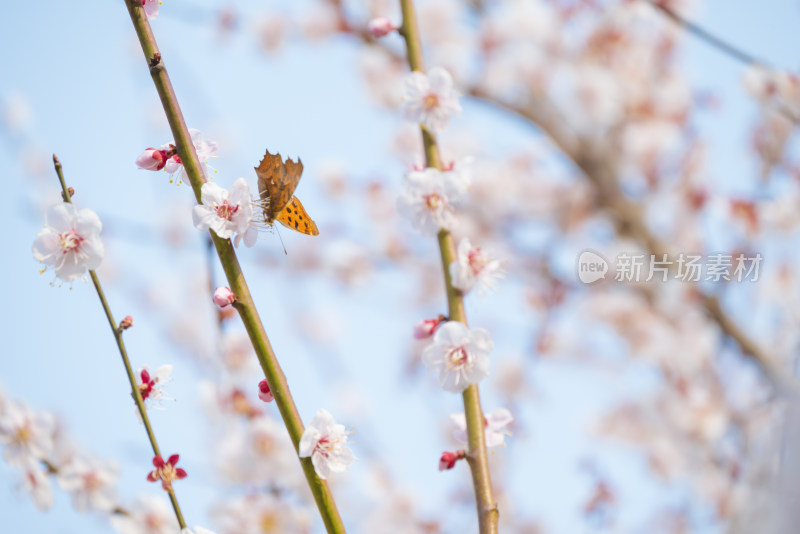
[
  {"x": 35, "y": 445},
  {"x": 430, "y": 197},
  {"x": 229, "y": 214},
  {"x": 166, "y": 157}
]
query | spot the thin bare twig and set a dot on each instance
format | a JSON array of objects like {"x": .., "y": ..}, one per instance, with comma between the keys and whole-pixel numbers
[
  {"x": 712, "y": 40},
  {"x": 477, "y": 458},
  {"x": 117, "y": 331}
]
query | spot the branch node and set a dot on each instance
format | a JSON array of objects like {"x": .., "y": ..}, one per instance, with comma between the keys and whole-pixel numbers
[{"x": 494, "y": 509}]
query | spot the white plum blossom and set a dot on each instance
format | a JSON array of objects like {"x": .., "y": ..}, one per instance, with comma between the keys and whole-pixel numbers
[
  {"x": 70, "y": 241},
  {"x": 775, "y": 88},
  {"x": 36, "y": 481},
  {"x": 257, "y": 452},
  {"x": 91, "y": 483},
  {"x": 326, "y": 443},
  {"x": 151, "y": 8},
  {"x": 227, "y": 213},
  {"x": 494, "y": 423},
  {"x": 473, "y": 267},
  {"x": 459, "y": 355},
  {"x": 26, "y": 435},
  {"x": 431, "y": 99},
  {"x": 148, "y": 515},
  {"x": 260, "y": 513},
  {"x": 428, "y": 199}
]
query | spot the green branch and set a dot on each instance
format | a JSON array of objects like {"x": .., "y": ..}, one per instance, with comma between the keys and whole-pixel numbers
[
  {"x": 230, "y": 264},
  {"x": 117, "y": 331},
  {"x": 477, "y": 457}
]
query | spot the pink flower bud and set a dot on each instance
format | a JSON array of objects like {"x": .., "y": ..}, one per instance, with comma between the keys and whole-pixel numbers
[
  {"x": 264, "y": 392},
  {"x": 126, "y": 323},
  {"x": 425, "y": 329},
  {"x": 380, "y": 27},
  {"x": 224, "y": 297},
  {"x": 449, "y": 459},
  {"x": 151, "y": 160}
]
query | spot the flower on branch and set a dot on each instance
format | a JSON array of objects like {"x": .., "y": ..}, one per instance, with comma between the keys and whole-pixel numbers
[
  {"x": 459, "y": 355},
  {"x": 264, "y": 393},
  {"x": 473, "y": 267},
  {"x": 425, "y": 329},
  {"x": 151, "y": 386},
  {"x": 70, "y": 241},
  {"x": 91, "y": 484},
  {"x": 224, "y": 297},
  {"x": 36, "y": 481},
  {"x": 205, "y": 150},
  {"x": 238, "y": 402},
  {"x": 227, "y": 213},
  {"x": 148, "y": 515},
  {"x": 166, "y": 157},
  {"x": 154, "y": 159},
  {"x": 448, "y": 459},
  {"x": 26, "y": 435},
  {"x": 166, "y": 472},
  {"x": 777, "y": 89},
  {"x": 494, "y": 423},
  {"x": 428, "y": 198},
  {"x": 261, "y": 513},
  {"x": 126, "y": 322},
  {"x": 151, "y": 8},
  {"x": 326, "y": 443},
  {"x": 430, "y": 99}
]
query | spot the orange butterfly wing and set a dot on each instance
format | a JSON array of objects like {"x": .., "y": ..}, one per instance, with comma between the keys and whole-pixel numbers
[
  {"x": 277, "y": 181},
  {"x": 294, "y": 216}
]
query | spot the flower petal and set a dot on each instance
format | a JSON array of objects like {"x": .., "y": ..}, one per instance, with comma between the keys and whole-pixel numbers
[
  {"x": 451, "y": 333},
  {"x": 61, "y": 217}
]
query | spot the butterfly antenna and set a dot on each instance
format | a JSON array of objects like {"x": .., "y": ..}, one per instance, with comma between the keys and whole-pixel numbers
[{"x": 277, "y": 231}]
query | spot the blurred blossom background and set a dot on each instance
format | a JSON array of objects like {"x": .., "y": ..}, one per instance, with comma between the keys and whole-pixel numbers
[{"x": 644, "y": 407}]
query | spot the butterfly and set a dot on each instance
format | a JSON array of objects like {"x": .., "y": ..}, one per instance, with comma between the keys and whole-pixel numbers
[{"x": 276, "y": 184}]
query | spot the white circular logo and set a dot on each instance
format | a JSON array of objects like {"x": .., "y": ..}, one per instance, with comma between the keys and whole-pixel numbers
[{"x": 591, "y": 267}]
